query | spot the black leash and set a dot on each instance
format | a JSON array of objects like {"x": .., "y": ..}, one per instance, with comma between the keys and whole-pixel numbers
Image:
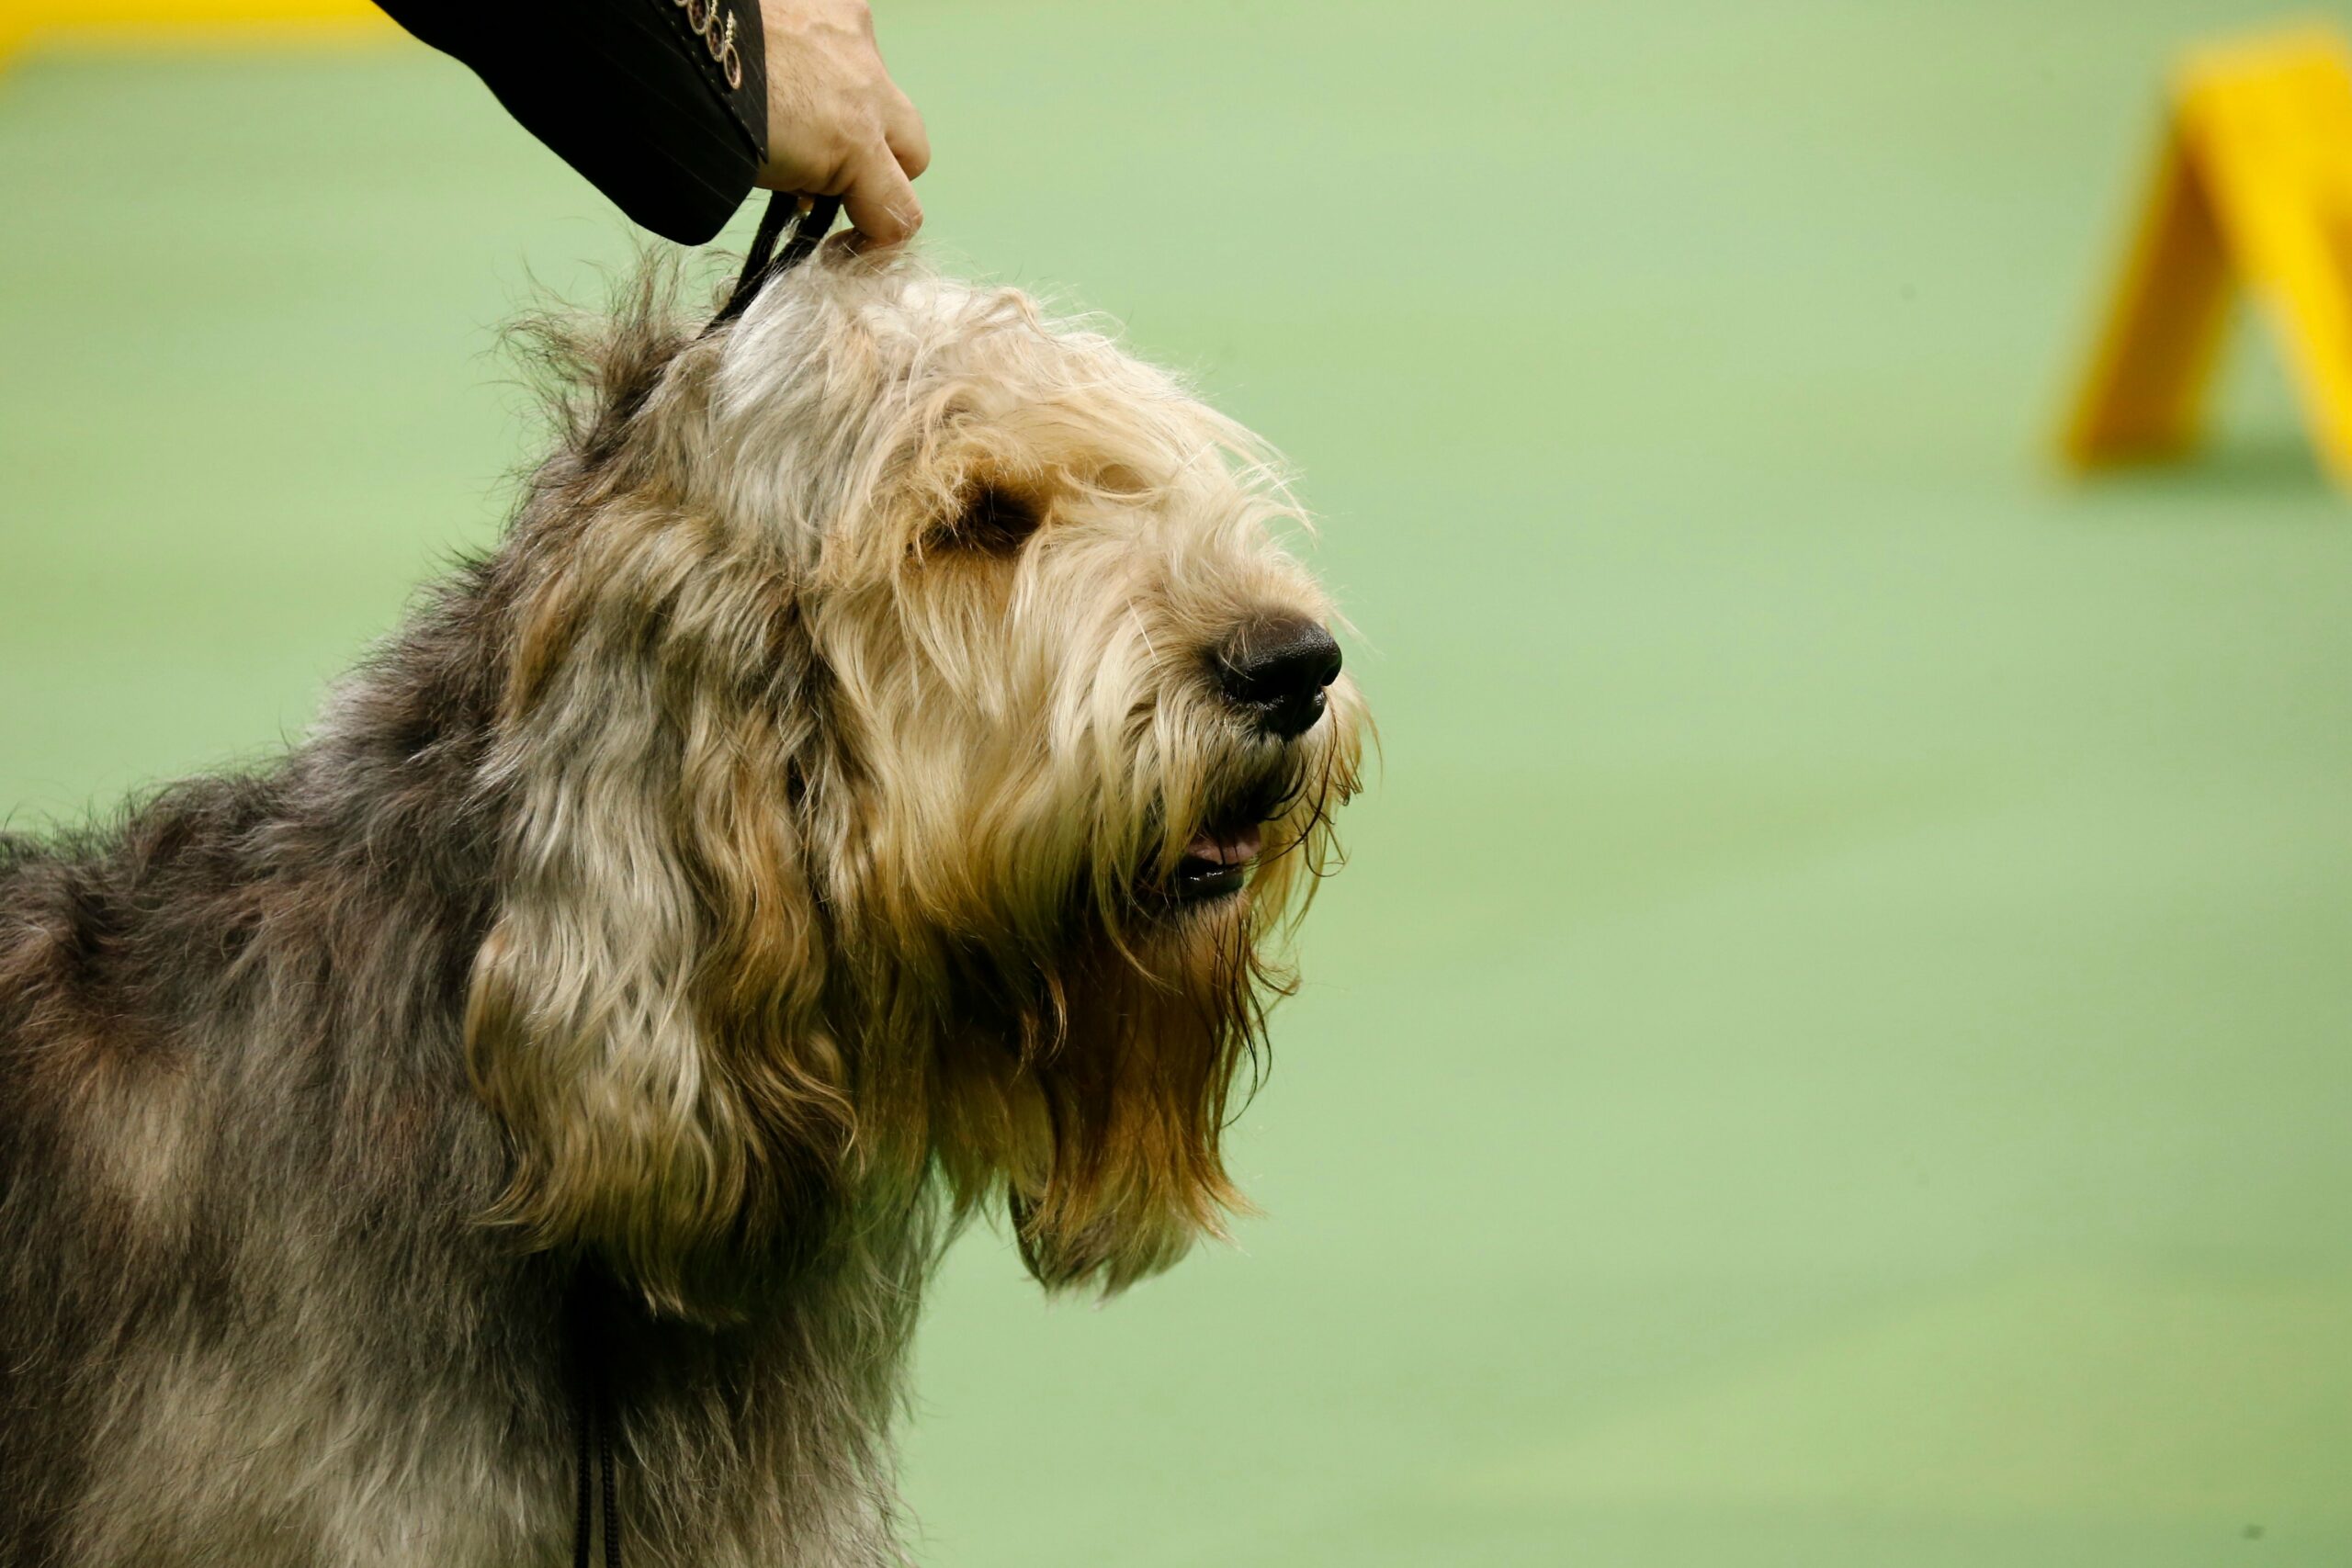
[
  {"x": 766, "y": 262},
  {"x": 584, "y": 1316},
  {"x": 583, "y": 1319},
  {"x": 612, "y": 1496}
]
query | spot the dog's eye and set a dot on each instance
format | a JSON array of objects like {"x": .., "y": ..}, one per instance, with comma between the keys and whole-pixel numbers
[
  {"x": 1118, "y": 479},
  {"x": 993, "y": 519}
]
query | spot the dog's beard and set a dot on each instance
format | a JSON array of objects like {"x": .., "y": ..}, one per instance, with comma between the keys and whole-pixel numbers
[
  {"x": 1131, "y": 1050},
  {"x": 1122, "y": 1167}
]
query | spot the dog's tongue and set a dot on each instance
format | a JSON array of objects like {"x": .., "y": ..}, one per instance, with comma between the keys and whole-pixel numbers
[{"x": 1234, "y": 846}]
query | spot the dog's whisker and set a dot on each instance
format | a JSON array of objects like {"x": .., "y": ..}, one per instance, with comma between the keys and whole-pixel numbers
[{"x": 1143, "y": 632}]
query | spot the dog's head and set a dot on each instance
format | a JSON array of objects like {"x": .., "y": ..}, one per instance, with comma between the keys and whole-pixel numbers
[{"x": 917, "y": 736}]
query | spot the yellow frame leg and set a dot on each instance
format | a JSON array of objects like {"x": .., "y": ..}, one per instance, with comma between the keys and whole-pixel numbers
[{"x": 2254, "y": 189}]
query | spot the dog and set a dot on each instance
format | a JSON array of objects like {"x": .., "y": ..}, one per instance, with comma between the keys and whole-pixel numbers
[{"x": 869, "y": 784}]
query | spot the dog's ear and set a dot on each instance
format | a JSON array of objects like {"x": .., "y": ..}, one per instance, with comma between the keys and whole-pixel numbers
[{"x": 644, "y": 1014}]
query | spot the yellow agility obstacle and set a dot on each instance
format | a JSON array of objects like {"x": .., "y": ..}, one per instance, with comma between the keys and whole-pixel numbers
[
  {"x": 2253, "y": 187},
  {"x": 146, "y": 23}
]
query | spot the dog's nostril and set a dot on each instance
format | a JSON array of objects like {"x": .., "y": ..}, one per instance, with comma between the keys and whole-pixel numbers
[{"x": 1279, "y": 670}]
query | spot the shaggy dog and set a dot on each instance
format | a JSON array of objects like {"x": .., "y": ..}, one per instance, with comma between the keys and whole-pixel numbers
[{"x": 862, "y": 786}]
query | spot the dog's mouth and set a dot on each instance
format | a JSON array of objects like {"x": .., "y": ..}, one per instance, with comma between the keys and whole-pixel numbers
[
  {"x": 1228, "y": 845},
  {"x": 1217, "y": 861},
  {"x": 1216, "y": 864}
]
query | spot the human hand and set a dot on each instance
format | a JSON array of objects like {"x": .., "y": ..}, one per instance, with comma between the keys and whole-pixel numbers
[{"x": 837, "y": 124}]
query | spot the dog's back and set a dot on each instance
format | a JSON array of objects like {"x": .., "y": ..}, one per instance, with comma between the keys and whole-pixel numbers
[
  {"x": 103, "y": 937},
  {"x": 235, "y": 1160},
  {"x": 41, "y": 929}
]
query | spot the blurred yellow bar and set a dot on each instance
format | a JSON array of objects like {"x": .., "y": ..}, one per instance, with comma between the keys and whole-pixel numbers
[
  {"x": 198, "y": 22},
  {"x": 2253, "y": 186}
]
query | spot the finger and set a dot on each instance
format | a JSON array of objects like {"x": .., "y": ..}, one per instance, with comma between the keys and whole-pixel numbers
[
  {"x": 902, "y": 128},
  {"x": 880, "y": 202}
]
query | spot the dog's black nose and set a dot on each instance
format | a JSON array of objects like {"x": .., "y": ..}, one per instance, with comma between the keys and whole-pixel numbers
[{"x": 1277, "y": 669}]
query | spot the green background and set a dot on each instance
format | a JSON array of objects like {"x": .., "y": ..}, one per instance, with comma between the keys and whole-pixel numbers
[{"x": 1832, "y": 1049}]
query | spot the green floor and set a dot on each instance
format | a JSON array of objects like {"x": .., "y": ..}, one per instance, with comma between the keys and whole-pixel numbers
[{"x": 1835, "y": 1048}]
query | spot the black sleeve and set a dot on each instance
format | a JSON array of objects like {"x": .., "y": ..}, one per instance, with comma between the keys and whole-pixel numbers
[{"x": 661, "y": 104}]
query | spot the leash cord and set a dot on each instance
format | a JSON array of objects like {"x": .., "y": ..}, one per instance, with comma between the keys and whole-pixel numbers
[
  {"x": 611, "y": 1491},
  {"x": 592, "y": 1421},
  {"x": 765, "y": 261},
  {"x": 591, "y": 1392},
  {"x": 586, "y": 1519}
]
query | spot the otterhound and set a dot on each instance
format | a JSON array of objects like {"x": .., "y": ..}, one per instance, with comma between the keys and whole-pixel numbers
[{"x": 862, "y": 786}]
